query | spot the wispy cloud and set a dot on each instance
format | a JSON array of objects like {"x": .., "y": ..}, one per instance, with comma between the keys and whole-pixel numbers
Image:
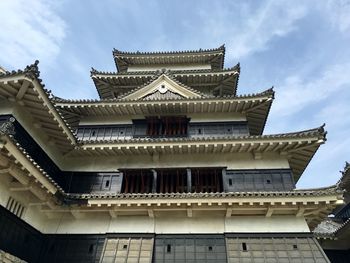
[
  {"x": 29, "y": 30},
  {"x": 297, "y": 93},
  {"x": 339, "y": 11},
  {"x": 251, "y": 27},
  {"x": 274, "y": 19}
]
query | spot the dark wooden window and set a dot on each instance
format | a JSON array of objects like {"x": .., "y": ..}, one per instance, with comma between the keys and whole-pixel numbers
[
  {"x": 137, "y": 181},
  {"x": 171, "y": 180},
  {"x": 206, "y": 180}
]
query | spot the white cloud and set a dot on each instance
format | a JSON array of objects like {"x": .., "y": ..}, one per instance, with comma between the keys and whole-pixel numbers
[
  {"x": 297, "y": 93},
  {"x": 249, "y": 28},
  {"x": 338, "y": 11},
  {"x": 29, "y": 30},
  {"x": 274, "y": 19}
]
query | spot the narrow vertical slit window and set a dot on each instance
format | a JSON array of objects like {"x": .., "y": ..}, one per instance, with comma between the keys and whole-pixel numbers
[
  {"x": 230, "y": 183},
  {"x": 168, "y": 248},
  {"x": 244, "y": 246},
  {"x": 107, "y": 184},
  {"x": 91, "y": 248}
]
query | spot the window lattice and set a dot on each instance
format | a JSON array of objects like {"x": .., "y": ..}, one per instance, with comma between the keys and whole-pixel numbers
[{"x": 15, "y": 207}]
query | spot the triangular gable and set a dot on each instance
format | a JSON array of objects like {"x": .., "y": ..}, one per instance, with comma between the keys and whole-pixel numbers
[{"x": 163, "y": 85}]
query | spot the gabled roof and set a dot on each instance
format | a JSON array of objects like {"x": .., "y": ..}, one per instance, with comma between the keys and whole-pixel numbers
[
  {"x": 215, "y": 57},
  {"x": 111, "y": 84},
  {"x": 157, "y": 83}
]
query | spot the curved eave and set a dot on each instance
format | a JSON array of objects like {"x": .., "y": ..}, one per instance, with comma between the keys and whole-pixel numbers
[
  {"x": 109, "y": 85},
  {"x": 23, "y": 167},
  {"x": 26, "y": 90},
  {"x": 213, "y": 56},
  {"x": 256, "y": 107},
  {"x": 344, "y": 181},
  {"x": 298, "y": 148},
  {"x": 311, "y": 205}
]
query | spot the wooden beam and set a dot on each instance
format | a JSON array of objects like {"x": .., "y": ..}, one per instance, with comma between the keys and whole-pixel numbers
[
  {"x": 269, "y": 212},
  {"x": 113, "y": 213},
  {"x": 189, "y": 212},
  {"x": 189, "y": 180},
  {"x": 22, "y": 90},
  {"x": 150, "y": 213},
  {"x": 77, "y": 214},
  {"x": 300, "y": 212}
]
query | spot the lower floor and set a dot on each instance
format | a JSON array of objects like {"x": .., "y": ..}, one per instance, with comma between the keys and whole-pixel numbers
[{"x": 23, "y": 241}]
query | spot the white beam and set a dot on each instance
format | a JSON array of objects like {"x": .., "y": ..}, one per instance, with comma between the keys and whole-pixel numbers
[
  {"x": 269, "y": 212},
  {"x": 189, "y": 212},
  {"x": 112, "y": 213}
]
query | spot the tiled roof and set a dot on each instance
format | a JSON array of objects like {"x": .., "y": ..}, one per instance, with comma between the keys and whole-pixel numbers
[
  {"x": 268, "y": 92},
  {"x": 215, "y": 57},
  {"x": 329, "y": 228},
  {"x": 344, "y": 181},
  {"x": 236, "y": 68},
  {"x": 316, "y": 132},
  {"x": 32, "y": 72},
  {"x": 294, "y": 193},
  {"x": 138, "y": 53}
]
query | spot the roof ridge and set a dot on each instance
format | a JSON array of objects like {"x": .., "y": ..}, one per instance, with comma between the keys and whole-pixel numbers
[
  {"x": 31, "y": 71},
  {"x": 119, "y": 52}
]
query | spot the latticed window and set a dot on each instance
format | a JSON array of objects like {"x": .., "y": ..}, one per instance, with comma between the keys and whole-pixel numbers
[
  {"x": 15, "y": 207},
  {"x": 167, "y": 126}
]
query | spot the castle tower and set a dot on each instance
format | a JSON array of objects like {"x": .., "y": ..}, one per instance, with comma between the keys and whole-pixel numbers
[{"x": 168, "y": 165}]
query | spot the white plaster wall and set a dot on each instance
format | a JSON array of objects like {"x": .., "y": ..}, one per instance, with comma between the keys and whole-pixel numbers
[
  {"x": 32, "y": 214},
  {"x": 168, "y": 66},
  {"x": 186, "y": 225},
  {"x": 262, "y": 224},
  {"x": 173, "y": 223},
  {"x": 231, "y": 161},
  {"x": 102, "y": 223},
  {"x": 217, "y": 117},
  {"x": 4, "y": 193},
  {"x": 6, "y": 107}
]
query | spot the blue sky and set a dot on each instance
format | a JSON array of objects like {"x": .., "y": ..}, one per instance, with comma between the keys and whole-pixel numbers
[{"x": 299, "y": 47}]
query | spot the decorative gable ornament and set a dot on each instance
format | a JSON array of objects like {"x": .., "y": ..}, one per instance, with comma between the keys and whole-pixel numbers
[{"x": 164, "y": 84}]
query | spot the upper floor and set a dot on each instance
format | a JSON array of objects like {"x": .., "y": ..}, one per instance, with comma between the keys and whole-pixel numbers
[{"x": 161, "y": 127}]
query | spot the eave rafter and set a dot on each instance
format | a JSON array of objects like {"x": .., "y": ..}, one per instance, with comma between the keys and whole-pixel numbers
[
  {"x": 16, "y": 159},
  {"x": 298, "y": 148},
  {"x": 312, "y": 204},
  {"x": 25, "y": 88}
]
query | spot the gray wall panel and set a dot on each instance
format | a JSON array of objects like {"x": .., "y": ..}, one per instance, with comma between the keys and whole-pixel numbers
[{"x": 258, "y": 180}]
